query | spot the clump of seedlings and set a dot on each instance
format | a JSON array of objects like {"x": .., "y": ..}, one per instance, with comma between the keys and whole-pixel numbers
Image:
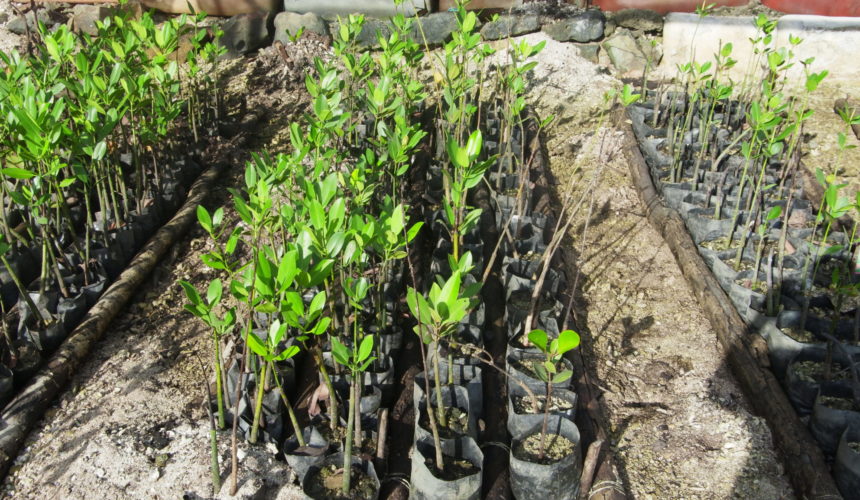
[
  {"x": 727, "y": 156},
  {"x": 93, "y": 159}
]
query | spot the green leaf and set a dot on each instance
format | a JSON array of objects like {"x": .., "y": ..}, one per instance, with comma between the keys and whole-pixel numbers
[
  {"x": 191, "y": 293},
  {"x": 287, "y": 269},
  {"x": 538, "y": 338},
  {"x": 567, "y": 340},
  {"x": 17, "y": 173},
  {"x": 774, "y": 212},
  {"x": 541, "y": 372},
  {"x": 365, "y": 348},
  {"x": 257, "y": 345},
  {"x": 473, "y": 145},
  {"x": 321, "y": 326},
  {"x": 266, "y": 308},
  {"x": 213, "y": 293},
  {"x": 451, "y": 290},
  {"x": 340, "y": 352},
  {"x": 288, "y": 353},
  {"x": 99, "y": 151},
  {"x": 562, "y": 377},
  {"x": 413, "y": 231},
  {"x": 317, "y": 304},
  {"x": 459, "y": 156}
]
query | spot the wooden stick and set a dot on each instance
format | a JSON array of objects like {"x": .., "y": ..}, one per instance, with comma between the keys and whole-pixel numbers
[
  {"x": 381, "y": 434},
  {"x": 589, "y": 467}
]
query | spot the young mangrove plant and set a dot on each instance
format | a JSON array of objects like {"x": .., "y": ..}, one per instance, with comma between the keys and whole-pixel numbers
[
  {"x": 438, "y": 313},
  {"x": 548, "y": 371}
]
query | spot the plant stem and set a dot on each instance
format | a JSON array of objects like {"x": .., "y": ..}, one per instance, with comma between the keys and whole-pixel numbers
[
  {"x": 258, "y": 404},
  {"x": 23, "y": 291},
  {"x": 545, "y": 419},
  {"x": 219, "y": 383},
  {"x": 347, "y": 445},
  {"x": 333, "y": 405},
  {"x": 293, "y": 420},
  {"x": 440, "y": 408}
]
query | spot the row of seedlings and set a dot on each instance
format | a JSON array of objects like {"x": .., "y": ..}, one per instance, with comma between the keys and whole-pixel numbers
[
  {"x": 91, "y": 166},
  {"x": 315, "y": 266},
  {"x": 727, "y": 157}
]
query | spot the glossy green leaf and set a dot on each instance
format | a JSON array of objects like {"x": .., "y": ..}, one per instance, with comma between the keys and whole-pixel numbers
[{"x": 539, "y": 339}]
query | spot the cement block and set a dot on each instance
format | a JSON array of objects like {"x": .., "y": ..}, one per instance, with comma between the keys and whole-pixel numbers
[
  {"x": 330, "y": 9},
  {"x": 832, "y": 41},
  {"x": 688, "y": 34}
]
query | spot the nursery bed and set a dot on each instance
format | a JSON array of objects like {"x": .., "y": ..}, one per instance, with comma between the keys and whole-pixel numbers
[
  {"x": 133, "y": 424},
  {"x": 746, "y": 352}
]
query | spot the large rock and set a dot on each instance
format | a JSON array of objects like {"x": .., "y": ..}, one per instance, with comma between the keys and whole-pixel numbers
[
  {"x": 20, "y": 24},
  {"x": 437, "y": 28},
  {"x": 84, "y": 17},
  {"x": 513, "y": 25},
  {"x": 584, "y": 27},
  {"x": 639, "y": 19},
  {"x": 246, "y": 33},
  {"x": 370, "y": 32},
  {"x": 625, "y": 54},
  {"x": 289, "y": 23}
]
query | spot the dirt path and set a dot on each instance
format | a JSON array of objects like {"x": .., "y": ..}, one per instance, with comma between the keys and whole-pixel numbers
[{"x": 132, "y": 424}]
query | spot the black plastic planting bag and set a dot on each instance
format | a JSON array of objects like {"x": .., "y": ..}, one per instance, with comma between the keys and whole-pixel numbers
[
  {"x": 336, "y": 460},
  {"x": 846, "y": 468},
  {"x": 453, "y": 396},
  {"x": 302, "y": 458},
  {"x": 827, "y": 424},
  {"x": 556, "y": 481},
  {"x": 424, "y": 485}
]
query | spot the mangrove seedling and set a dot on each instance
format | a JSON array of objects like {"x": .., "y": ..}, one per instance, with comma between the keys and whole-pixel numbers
[
  {"x": 548, "y": 371},
  {"x": 438, "y": 314},
  {"x": 220, "y": 325},
  {"x": 356, "y": 362}
]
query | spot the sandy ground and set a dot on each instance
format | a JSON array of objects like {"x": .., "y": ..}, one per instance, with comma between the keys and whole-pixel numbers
[{"x": 132, "y": 424}]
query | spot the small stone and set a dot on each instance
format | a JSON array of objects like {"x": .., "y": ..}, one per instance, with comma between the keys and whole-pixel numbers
[
  {"x": 372, "y": 28},
  {"x": 4, "y": 16},
  {"x": 585, "y": 27},
  {"x": 20, "y": 24},
  {"x": 246, "y": 33},
  {"x": 100, "y": 473},
  {"x": 84, "y": 18},
  {"x": 289, "y": 23},
  {"x": 651, "y": 48},
  {"x": 436, "y": 28},
  {"x": 155, "y": 474},
  {"x": 513, "y": 25},
  {"x": 639, "y": 19},
  {"x": 625, "y": 54},
  {"x": 609, "y": 27},
  {"x": 589, "y": 51}
]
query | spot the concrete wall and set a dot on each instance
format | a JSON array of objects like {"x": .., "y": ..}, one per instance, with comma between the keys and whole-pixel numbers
[{"x": 832, "y": 41}]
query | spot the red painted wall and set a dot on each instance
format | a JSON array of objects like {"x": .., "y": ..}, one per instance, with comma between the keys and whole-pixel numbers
[
  {"x": 818, "y": 7},
  {"x": 663, "y": 6}
]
